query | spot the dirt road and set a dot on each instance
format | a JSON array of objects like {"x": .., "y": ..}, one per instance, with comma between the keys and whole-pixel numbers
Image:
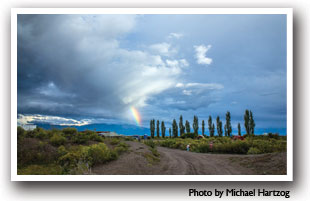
[{"x": 178, "y": 162}]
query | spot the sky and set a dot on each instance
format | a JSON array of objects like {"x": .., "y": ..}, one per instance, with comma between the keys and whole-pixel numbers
[{"x": 85, "y": 69}]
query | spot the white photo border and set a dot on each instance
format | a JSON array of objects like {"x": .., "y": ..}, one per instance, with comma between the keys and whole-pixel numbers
[{"x": 289, "y": 16}]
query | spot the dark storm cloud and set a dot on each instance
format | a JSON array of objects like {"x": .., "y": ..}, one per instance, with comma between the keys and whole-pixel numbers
[
  {"x": 51, "y": 52},
  {"x": 74, "y": 65}
]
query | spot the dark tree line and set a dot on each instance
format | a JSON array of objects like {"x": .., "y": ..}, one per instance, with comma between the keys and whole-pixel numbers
[{"x": 249, "y": 125}]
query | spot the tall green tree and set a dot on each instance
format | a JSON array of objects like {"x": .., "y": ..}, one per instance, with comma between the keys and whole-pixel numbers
[
  {"x": 228, "y": 129},
  {"x": 219, "y": 126},
  {"x": 251, "y": 123},
  {"x": 203, "y": 127},
  {"x": 152, "y": 127},
  {"x": 195, "y": 125},
  {"x": 187, "y": 127},
  {"x": 225, "y": 130},
  {"x": 239, "y": 129},
  {"x": 157, "y": 128},
  {"x": 246, "y": 118},
  {"x": 175, "y": 128},
  {"x": 163, "y": 129},
  {"x": 170, "y": 132},
  {"x": 211, "y": 131},
  {"x": 181, "y": 126}
]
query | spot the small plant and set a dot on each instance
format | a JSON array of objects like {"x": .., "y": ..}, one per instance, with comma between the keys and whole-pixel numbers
[
  {"x": 40, "y": 170},
  {"x": 121, "y": 147},
  {"x": 254, "y": 150},
  {"x": 189, "y": 135},
  {"x": 69, "y": 132},
  {"x": 100, "y": 153},
  {"x": 57, "y": 139},
  {"x": 150, "y": 143},
  {"x": 114, "y": 141}
]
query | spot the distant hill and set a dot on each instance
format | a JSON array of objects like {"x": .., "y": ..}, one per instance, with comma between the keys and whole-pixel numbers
[{"x": 125, "y": 129}]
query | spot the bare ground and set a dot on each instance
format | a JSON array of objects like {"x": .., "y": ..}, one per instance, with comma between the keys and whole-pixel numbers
[{"x": 179, "y": 162}]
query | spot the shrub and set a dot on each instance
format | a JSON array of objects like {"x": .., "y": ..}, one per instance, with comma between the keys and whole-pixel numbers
[
  {"x": 30, "y": 134},
  {"x": 57, "y": 139},
  {"x": 69, "y": 132},
  {"x": 41, "y": 134},
  {"x": 275, "y": 136},
  {"x": 61, "y": 151},
  {"x": 155, "y": 152},
  {"x": 121, "y": 147},
  {"x": 203, "y": 148},
  {"x": 80, "y": 138},
  {"x": 40, "y": 170},
  {"x": 150, "y": 143},
  {"x": 128, "y": 139},
  {"x": 33, "y": 151},
  {"x": 20, "y": 133},
  {"x": 76, "y": 160},
  {"x": 114, "y": 141},
  {"x": 189, "y": 135},
  {"x": 167, "y": 143},
  {"x": 254, "y": 150},
  {"x": 94, "y": 136},
  {"x": 99, "y": 153}
]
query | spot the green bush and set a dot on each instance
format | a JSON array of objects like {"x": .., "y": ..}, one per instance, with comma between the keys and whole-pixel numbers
[
  {"x": 254, "y": 150},
  {"x": 275, "y": 136},
  {"x": 69, "y": 132},
  {"x": 94, "y": 136},
  {"x": 100, "y": 153},
  {"x": 40, "y": 133},
  {"x": 62, "y": 151},
  {"x": 20, "y": 133},
  {"x": 57, "y": 139},
  {"x": 40, "y": 170},
  {"x": 114, "y": 141},
  {"x": 33, "y": 151},
  {"x": 30, "y": 134},
  {"x": 128, "y": 139},
  {"x": 121, "y": 147},
  {"x": 80, "y": 138},
  {"x": 203, "y": 147},
  {"x": 155, "y": 152},
  {"x": 76, "y": 160},
  {"x": 189, "y": 135},
  {"x": 150, "y": 143}
]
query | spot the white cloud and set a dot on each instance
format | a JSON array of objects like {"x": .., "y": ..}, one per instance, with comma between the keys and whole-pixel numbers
[
  {"x": 204, "y": 85},
  {"x": 201, "y": 51},
  {"x": 163, "y": 49},
  {"x": 175, "y": 35},
  {"x": 187, "y": 92},
  {"x": 53, "y": 120},
  {"x": 179, "y": 85},
  {"x": 198, "y": 88},
  {"x": 177, "y": 63}
]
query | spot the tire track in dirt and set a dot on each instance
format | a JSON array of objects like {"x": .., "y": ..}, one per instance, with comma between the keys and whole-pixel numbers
[{"x": 174, "y": 162}]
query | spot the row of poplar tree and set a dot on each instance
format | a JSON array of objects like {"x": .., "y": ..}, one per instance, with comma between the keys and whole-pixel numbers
[{"x": 249, "y": 125}]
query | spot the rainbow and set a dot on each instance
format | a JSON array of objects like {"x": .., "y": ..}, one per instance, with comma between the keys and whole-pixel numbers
[{"x": 136, "y": 115}]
